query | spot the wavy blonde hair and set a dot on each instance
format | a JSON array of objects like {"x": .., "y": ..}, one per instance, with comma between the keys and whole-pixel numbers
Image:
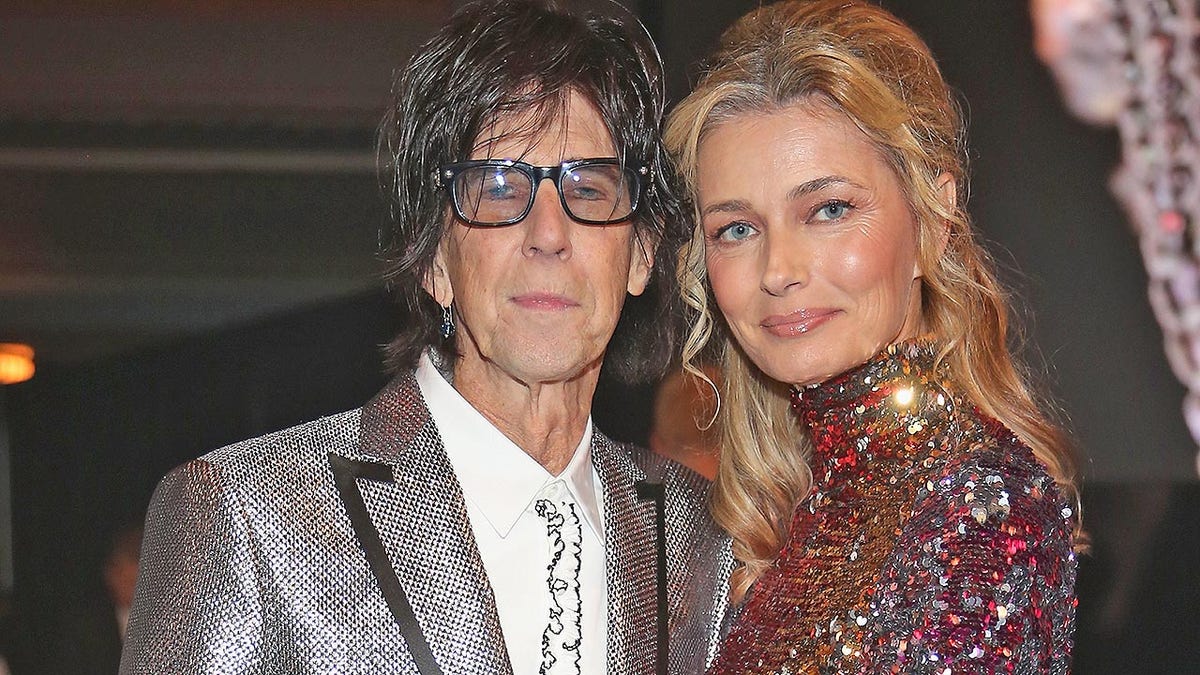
[{"x": 867, "y": 64}]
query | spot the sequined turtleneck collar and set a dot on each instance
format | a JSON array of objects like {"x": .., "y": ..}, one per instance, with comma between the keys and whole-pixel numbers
[{"x": 882, "y": 410}]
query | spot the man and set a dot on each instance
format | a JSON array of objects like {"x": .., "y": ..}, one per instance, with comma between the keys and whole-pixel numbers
[{"x": 469, "y": 519}]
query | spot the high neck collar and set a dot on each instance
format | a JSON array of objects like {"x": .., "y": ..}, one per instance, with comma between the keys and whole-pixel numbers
[{"x": 885, "y": 408}]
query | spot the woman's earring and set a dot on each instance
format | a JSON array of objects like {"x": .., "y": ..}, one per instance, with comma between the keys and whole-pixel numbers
[{"x": 447, "y": 322}]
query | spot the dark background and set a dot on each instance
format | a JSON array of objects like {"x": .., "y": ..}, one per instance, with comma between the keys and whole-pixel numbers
[{"x": 182, "y": 301}]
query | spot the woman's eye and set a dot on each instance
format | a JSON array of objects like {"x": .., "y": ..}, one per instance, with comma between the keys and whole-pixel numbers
[
  {"x": 735, "y": 232},
  {"x": 833, "y": 210}
]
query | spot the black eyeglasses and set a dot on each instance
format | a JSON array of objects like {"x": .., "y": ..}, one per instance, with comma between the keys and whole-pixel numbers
[{"x": 495, "y": 192}]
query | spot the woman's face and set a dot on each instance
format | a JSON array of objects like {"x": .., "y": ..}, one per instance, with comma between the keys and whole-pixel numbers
[
  {"x": 810, "y": 245},
  {"x": 537, "y": 301}
]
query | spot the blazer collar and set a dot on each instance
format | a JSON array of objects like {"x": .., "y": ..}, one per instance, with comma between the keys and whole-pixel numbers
[
  {"x": 392, "y": 420},
  {"x": 631, "y": 554},
  {"x": 420, "y": 519}
]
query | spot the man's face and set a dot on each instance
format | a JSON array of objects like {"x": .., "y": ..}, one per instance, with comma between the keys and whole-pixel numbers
[{"x": 537, "y": 301}]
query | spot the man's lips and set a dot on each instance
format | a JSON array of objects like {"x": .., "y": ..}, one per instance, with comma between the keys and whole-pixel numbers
[
  {"x": 798, "y": 322},
  {"x": 544, "y": 301}
]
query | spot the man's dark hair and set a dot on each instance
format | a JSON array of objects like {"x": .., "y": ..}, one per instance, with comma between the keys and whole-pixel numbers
[{"x": 496, "y": 59}]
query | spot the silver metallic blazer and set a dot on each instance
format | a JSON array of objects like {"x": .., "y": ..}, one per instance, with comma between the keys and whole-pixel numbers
[{"x": 343, "y": 546}]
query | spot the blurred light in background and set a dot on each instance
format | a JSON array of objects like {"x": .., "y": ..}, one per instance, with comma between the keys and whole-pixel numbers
[{"x": 16, "y": 362}]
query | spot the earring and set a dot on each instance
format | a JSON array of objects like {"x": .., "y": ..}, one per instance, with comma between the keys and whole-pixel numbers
[{"x": 447, "y": 322}]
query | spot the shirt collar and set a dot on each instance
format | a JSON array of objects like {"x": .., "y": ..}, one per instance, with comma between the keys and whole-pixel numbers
[{"x": 496, "y": 475}]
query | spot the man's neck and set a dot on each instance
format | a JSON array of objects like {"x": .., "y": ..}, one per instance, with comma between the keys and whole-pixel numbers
[{"x": 545, "y": 419}]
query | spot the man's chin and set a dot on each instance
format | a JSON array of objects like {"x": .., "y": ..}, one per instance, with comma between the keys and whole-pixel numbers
[{"x": 543, "y": 362}]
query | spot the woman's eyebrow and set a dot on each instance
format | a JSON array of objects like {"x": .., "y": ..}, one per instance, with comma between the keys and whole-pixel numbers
[
  {"x": 727, "y": 206},
  {"x": 821, "y": 183}
]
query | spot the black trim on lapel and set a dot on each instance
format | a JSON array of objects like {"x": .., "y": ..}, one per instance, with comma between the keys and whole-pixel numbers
[
  {"x": 658, "y": 493},
  {"x": 345, "y": 473}
]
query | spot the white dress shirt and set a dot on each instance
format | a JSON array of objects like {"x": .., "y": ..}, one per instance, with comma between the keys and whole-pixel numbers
[{"x": 500, "y": 482}]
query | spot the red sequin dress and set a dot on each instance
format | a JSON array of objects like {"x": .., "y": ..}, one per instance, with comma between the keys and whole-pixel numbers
[{"x": 932, "y": 540}]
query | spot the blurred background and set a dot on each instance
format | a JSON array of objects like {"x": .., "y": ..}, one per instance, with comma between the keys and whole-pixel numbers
[{"x": 188, "y": 220}]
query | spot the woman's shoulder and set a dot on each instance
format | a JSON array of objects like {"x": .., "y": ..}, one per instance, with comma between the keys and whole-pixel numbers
[
  {"x": 983, "y": 572},
  {"x": 988, "y": 479}
]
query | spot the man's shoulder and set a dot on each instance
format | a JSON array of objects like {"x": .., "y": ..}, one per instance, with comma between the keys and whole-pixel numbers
[
  {"x": 324, "y": 433},
  {"x": 280, "y": 453}
]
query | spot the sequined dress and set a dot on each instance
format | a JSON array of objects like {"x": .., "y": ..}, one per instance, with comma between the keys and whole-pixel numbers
[{"x": 932, "y": 540}]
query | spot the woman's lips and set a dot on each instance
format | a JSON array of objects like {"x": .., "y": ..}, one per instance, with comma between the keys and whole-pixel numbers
[
  {"x": 544, "y": 301},
  {"x": 798, "y": 322}
]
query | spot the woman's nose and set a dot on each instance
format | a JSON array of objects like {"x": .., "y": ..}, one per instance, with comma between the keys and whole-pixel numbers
[{"x": 786, "y": 264}]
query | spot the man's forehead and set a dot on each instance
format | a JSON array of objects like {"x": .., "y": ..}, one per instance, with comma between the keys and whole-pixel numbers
[{"x": 556, "y": 122}]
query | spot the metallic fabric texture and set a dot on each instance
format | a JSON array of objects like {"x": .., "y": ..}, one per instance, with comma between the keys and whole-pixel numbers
[
  {"x": 932, "y": 540},
  {"x": 251, "y": 564}
]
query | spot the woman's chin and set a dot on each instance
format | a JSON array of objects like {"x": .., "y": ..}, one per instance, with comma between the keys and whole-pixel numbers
[
  {"x": 801, "y": 378},
  {"x": 811, "y": 369}
]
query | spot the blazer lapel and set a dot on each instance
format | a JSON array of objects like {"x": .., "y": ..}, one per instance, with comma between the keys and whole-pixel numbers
[
  {"x": 417, "y": 517},
  {"x": 630, "y": 535}
]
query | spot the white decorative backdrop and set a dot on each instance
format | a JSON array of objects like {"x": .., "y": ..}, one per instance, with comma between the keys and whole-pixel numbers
[{"x": 1135, "y": 64}]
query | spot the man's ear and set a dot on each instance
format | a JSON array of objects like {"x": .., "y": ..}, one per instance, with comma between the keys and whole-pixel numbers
[
  {"x": 437, "y": 280},
  {"x": 641, "y": 262}
]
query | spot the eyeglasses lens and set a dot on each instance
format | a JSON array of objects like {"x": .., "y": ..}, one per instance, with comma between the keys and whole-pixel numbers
[
  {"x": 490, "y": 194},
  {"x": 501, "y": 194},
  {"x": 597, "y": 192}
]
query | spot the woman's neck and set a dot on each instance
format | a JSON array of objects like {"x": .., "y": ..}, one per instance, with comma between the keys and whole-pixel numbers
[{"x": 881, "y": 409}]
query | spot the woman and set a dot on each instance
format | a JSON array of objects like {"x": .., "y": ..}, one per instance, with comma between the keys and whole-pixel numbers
[{"x": 915, "y": 512}]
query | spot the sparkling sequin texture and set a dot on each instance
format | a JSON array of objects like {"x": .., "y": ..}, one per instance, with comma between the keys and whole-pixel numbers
[{"x": 932, "y": 541}]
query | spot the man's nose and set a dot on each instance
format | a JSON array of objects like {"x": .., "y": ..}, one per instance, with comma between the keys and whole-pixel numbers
[{"x": 547, "y": 227}]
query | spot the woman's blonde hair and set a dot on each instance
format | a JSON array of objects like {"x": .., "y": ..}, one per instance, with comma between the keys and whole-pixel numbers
[{"x": 868, "y": 65}]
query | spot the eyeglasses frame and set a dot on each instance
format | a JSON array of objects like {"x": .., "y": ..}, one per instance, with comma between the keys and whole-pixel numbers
[{"x": 444, "y": 179}]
